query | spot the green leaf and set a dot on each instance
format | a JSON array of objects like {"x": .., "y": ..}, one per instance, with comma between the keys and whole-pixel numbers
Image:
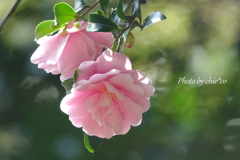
[
  {"x": 104, "y": 5},
  {"x": 153, "y": 18},
  {"x": 96, "y": 27},
  {"x": 120, "y": 40},
  {"x": 117, "y": 41},
  {"x": 68, "y": 84},
  {"x": 115, "y": 17},
  {"x": 99, "y": 12},
  {"x": 80, "y": 9},
  {"x": 135, "y": 24},
  {"x": 80, "y": 5},
  {"x": 87, "y": 144},
  {"x": 44, "y": 28},
  {"x": 125, "y": 35},
  {"x": 64, "y": 13},
  {"x": 54, "y": 24},
  {"x": 136, "y": 9},
  {"x": 120, "y": 13},
  {"x": 99, "y": 23},
  {"x": 123, "y": 39},
  {"x": 125, "y": 6}
]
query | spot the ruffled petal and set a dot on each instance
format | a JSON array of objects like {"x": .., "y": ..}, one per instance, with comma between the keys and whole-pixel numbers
[
  {"x": 142, "y": 101},
  {"x": 125, "y": 82},
  {"x": 142, "y": 80},
  {"x": 120, "y": 95},
  {"x": 73, "y": 104}
]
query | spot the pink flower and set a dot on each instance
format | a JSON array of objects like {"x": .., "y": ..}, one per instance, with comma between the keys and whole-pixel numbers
[
  {"x": 65, "y": 51},
  {"x": 108, "y": 97}
]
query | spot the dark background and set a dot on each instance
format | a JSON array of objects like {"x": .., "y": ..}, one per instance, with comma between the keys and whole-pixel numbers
[{"x": 199, "y": 39}]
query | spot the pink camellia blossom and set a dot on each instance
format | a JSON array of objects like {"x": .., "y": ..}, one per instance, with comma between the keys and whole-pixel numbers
[
  {"x": 108, "y": 97},
  {"x": 64, "y": 52}
]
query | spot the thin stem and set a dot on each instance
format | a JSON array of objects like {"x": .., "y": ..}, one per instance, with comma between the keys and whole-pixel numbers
[
  {"x": 90, "y": 8},
  {"x": 10, "y": 12},
  {"x": 87, "y": 143}
]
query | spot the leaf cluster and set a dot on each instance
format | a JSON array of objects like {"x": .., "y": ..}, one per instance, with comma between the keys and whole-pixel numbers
[
  {"x": 117, "y": 21},
  {"x": 114, "y": 20}
]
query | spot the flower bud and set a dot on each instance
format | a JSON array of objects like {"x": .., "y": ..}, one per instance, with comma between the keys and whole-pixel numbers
[{"x": 130, "y": 40}]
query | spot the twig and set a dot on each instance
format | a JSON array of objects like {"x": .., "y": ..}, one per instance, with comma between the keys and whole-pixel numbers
[
  {"x": 90, "y": 8},
  {"x": 9, "y": 13}
]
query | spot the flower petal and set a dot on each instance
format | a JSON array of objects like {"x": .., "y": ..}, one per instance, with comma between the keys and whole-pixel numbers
[
  {"x": 99, "y": 77},
  {"x": 77, "y": 122},
  {"x": 142, "y": 101},
  {"x": 75, "y": 43},
  {"x": 112, "y": 89},
  {"x": 134, "y": 119},
  {"x": 142, "y": 80},
  {"x": 112, "y": 60},
  {"x": 104, "y": 101},
  {"x": 125, "y": 82},
  {"x": 90, "y": 102},
  {"x": 74, "y": 105},
  {"x": 90, "y": 126},
  {"x": 101, "y": 38}
]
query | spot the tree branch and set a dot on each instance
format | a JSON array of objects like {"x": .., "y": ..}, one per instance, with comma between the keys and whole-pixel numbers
[{"x": 2, "y": 22}]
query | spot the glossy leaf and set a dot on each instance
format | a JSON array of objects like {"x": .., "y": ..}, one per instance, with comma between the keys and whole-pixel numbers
[
  {"x": 99, "y": 23},
  {"x": 80, "y": 9},
  {"x": 44, "y": 28},
  {"x": 115, "y": 17},
  {"x": 87, "y": 144},
  {"x": 125, "y": 35},
  {"x": 125, "y": 6},
  {"x": 120, "y": 41},
  {"x": 80, "y": 5},
  {"x": 104, "y": 5},
  {"x": 100, "y": 13},
  {"x": 97, "y": 27},
  {"x": 64, "y": 13},
  {"x": 136, "y": 9},
  {"x": 135, "y": 24},
  {"x": 120, "y": 12},
  {"x": 124, "y": 38},
  {"x": 153, "y": 18}
]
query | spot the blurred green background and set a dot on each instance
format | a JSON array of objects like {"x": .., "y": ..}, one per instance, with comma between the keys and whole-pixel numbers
[{"x": 199, "y": 39}]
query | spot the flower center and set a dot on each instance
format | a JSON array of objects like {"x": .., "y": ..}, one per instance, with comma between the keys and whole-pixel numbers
[{"x": 112, "y": 94}]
